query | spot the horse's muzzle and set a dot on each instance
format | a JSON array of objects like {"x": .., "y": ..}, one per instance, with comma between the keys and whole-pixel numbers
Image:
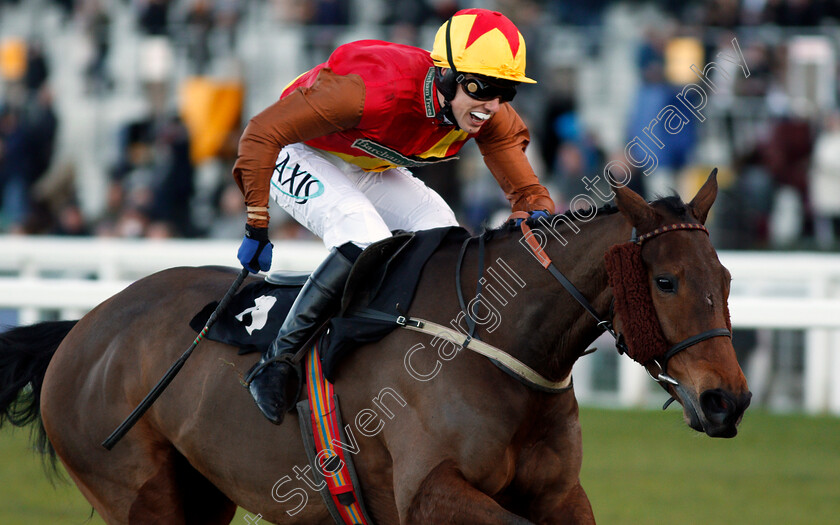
[{"x": 722, "y": 411}]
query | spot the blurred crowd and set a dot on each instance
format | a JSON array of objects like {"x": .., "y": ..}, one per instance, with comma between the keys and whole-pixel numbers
[{"x": 774, "y": 133}]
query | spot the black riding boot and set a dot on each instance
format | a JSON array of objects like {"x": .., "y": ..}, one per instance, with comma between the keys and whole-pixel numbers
[{"x": 274, "y": 381}]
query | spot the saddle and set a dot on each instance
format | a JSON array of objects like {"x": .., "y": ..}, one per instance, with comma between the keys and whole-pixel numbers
[{"x": 384, "y": 277}]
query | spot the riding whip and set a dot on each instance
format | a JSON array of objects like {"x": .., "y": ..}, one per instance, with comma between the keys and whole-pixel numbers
[{"x": 161, "y": 385}]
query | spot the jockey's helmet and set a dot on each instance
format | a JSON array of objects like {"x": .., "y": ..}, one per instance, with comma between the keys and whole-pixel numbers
[{"x": 482, "y": 42}]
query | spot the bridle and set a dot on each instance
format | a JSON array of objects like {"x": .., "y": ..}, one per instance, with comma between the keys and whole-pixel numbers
[{"x": 607, "y": 324}]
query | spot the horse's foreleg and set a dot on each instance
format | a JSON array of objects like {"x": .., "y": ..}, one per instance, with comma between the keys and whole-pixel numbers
[
  {"x": 571, "y": 509},
  {"x": 445, "y": 496}
]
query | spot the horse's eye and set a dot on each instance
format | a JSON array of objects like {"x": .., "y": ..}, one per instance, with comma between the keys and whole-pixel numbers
[{"x": 666, "y": 284}]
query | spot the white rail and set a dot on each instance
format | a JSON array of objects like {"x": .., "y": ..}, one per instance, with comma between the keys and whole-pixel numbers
[
  {"x": 769, "y": 291},
  {"x": 115, "y": 259}
]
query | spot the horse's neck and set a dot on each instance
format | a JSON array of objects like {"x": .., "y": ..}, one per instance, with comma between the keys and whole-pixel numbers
[{"x": 548, "y": 330}]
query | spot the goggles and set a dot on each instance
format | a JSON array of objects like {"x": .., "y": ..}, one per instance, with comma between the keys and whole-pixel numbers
[{"x": 482, "y": 89}]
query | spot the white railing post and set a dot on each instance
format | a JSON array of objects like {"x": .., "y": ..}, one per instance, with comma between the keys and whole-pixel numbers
[
  {"x": 816, "y": 373},
  {"x": 833, "y": 371},
  {"x": 632, "y": 382}
]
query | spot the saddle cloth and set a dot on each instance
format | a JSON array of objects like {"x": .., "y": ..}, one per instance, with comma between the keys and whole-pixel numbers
[{"x": 381, "y": 279}]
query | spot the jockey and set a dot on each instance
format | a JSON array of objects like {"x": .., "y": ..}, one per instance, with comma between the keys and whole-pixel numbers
[{"x": 334, "y": 152}]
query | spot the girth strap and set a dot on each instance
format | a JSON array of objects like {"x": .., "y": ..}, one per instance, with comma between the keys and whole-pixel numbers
[
  {"x": 505, "y": 360},
  {"x": 502, "y": 359}
]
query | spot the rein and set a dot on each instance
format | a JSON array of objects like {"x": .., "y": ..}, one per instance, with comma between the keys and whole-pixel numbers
[{"x": 539, "y": 253}]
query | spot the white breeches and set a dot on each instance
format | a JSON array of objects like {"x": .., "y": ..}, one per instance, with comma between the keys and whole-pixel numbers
[{"x": 340, "y": 202}]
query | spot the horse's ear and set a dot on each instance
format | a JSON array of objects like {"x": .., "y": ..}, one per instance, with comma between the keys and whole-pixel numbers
[
  {"x": 702, "y": 202},
  {"x": 640, "y": 214}
]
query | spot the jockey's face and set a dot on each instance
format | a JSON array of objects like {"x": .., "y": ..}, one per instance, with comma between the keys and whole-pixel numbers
[{"x": 470, "y": 113}]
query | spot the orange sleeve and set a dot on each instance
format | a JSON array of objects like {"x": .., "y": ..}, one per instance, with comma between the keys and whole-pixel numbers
[
  {"x": 502, "y": 142},
  {"x": 333, "y": 103}
]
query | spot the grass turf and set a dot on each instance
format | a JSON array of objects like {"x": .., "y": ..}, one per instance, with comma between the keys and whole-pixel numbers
[
  {"x": 639, "y": 467},
  {"x": 649, "y": 467}
]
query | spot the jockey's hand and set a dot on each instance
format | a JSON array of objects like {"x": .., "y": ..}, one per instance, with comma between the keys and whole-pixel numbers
[
  {"x": 536, "y": 214},
  {"x": 255, "y": 251}
]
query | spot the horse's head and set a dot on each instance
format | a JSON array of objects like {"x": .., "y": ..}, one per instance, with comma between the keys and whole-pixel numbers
[{"x": 671, "y": 296}]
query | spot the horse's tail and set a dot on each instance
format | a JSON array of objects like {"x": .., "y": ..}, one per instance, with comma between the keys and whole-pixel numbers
[{"x": 25, "y": 353}]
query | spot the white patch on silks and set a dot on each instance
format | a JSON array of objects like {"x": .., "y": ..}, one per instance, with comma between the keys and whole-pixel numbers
[{"x": 259, "y": 312}]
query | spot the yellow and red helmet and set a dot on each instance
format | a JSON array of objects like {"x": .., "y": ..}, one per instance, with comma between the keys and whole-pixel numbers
[{"x": 481, "y": 42}]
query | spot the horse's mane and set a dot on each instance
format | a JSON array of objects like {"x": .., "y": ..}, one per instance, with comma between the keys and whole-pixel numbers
[{"x": 672, "y": 204}]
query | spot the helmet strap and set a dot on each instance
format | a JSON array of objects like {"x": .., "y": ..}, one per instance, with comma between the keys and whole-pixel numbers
[
  {"x": 449, "y": 47},
  {"x": 446, "y": 117},
  {"x": 446, "y": 84}
]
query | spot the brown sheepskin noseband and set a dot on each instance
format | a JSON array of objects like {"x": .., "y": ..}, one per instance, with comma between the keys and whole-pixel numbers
[{"x": 629, "y": 281}]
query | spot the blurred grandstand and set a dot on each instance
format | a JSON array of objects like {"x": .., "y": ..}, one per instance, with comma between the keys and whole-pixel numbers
[{"x": 120, "y": 118}]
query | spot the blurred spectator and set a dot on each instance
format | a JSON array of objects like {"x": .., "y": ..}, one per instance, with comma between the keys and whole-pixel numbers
[
  {"x": 530, "y": 17},
  {"x": 743, "y": 208},
  {"x": 199, "y": 22},
  {"x": 655, "y": 94},
  {"x": 228, "y": 14},
  {"x": 211, "y": 28},
  {"x": 589, "y": 13},
  {"x": 793, "y": 13},
  {"x": 787, "y": 153},
  {"x": 764, "y": 68},
  {"x": 13, "y": 167},
  {"x": 37, "y": 69},
  {"x": 152, "y": 183},
  {"x": 172, "y": 186},
  {"x": 231, "y": 214},
  {"x": 325, "y": 21},
  {"x": 722, "y": 13},
  {"x": 824, "y": 178},
  {"x": 559, "y": 118},
  {"x": 577, "y": 156},
  {"x": 27, "y": 140},
  {"x": 570, "y": 169},
  {"x": 66, "y": 7},
  {"x": 407, "y": 12},
  {"x": 42, "y": 125},
  {"x": 153, "y": 16},
  {"x": 55, "y": 209},
  {"x": 403, "y": 18},
  {"x": 70, "y": 221},
  {"x": 97, "y": 26}
]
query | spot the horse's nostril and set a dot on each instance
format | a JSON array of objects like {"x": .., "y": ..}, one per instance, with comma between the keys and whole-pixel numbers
[{"x": 718, "y": 405}]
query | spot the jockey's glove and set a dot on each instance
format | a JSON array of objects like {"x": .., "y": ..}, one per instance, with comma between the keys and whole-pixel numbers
[
  {"x": 536, "y": 214},
  {"x": 255, "y": 250}
]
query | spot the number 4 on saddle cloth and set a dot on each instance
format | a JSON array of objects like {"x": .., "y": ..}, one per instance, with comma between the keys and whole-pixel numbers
[{"x": 384, "y": 276}]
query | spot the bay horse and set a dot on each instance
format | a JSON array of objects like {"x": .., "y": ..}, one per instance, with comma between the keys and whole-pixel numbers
[{"x": 469, "y": 445}]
